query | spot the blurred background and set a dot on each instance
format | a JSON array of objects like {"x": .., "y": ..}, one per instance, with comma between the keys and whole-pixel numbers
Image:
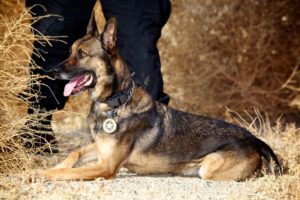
[{"x": 238, "y": 54}]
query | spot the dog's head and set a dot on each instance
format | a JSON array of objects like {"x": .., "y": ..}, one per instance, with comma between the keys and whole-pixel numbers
[{"x": 91, "y": 63}]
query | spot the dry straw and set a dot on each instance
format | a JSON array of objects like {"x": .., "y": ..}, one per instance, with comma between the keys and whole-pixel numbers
[
  {"x": 16, "y": 45},
  {"x": 285, "y": 141}
]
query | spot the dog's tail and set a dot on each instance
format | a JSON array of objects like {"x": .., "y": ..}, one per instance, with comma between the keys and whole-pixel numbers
[{"x": 267, "y": 153}]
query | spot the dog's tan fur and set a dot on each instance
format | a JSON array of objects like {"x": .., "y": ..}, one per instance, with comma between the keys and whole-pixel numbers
[{"x": 151, "y": 138}]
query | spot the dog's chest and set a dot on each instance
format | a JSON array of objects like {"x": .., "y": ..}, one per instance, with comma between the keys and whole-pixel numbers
[{"x": 106, "y": 146}]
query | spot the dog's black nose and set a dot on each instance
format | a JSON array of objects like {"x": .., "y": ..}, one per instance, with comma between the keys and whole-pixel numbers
[
  {"x": 56, "y": 70},
  {"x": 52, "y": 72}
]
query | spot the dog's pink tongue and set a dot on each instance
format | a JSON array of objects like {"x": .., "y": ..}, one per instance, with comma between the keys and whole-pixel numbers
[{"x": 70, "y": 86}]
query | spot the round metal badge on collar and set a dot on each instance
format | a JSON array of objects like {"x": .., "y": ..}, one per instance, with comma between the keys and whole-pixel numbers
[{"x": 109, "y": 125}]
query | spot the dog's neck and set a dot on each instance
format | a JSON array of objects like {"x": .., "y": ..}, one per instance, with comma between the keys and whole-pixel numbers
[
  {"x": 123, "y": 84},
  {"x": 121, "y": 97}
]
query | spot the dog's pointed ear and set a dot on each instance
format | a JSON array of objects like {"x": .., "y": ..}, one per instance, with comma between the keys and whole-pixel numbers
[
  {"x": 92, "y": 28},
  {"x": 109, "y": 34}
]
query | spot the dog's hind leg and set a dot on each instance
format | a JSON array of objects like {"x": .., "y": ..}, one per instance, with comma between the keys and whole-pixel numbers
[
  {"x": 211, "y": 163},
  {"x": 85, "y": 154},
  {"x": 230, "y": 165}
]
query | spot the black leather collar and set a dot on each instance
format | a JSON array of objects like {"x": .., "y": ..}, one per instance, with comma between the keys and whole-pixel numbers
[{"x": 121, "y": 97}]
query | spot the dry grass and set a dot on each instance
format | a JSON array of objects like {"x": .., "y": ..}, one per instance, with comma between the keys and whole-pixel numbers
[
  {"x": 16, "y": 45},
  {"x": 15, "y": 52},
  {"x": 285, "y": 141},
  {"x": 237, "y": 54}
]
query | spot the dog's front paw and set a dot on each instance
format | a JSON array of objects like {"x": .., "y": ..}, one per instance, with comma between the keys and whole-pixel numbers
[
  {"x": 59, "y": 166},
  {"x": 33, "y": 177},
  {"x": 47, "y": 174},
  {"x": 39, "y": 176}
]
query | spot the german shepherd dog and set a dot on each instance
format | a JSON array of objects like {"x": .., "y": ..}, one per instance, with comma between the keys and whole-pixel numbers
[{"x": 132, "y": 130}]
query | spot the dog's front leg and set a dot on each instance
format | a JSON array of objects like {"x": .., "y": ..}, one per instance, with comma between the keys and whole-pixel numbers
[
  {"x": 104, "y": 168},
  {"x": 88, "y": 153},
  {"x": 81, "y": 173},
  {"x": 111, "y": 155}
]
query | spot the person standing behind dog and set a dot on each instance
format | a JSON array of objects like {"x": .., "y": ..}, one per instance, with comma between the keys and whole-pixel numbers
[{"x": 139, "y": 28}]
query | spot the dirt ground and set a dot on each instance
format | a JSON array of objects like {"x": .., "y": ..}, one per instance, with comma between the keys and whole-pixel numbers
[{"x": 128, "y": 186}]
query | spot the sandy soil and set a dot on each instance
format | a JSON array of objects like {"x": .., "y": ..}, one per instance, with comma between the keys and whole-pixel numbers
[{"x": 128, "y": 186}]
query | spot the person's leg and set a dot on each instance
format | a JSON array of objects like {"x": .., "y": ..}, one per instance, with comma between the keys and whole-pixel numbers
[
  {"x": 73, "y": 20},
  {"x": 139, "y": 25}
]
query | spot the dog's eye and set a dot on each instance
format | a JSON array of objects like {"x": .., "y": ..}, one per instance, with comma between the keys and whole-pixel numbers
[{"x": 82, "y": 53}]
